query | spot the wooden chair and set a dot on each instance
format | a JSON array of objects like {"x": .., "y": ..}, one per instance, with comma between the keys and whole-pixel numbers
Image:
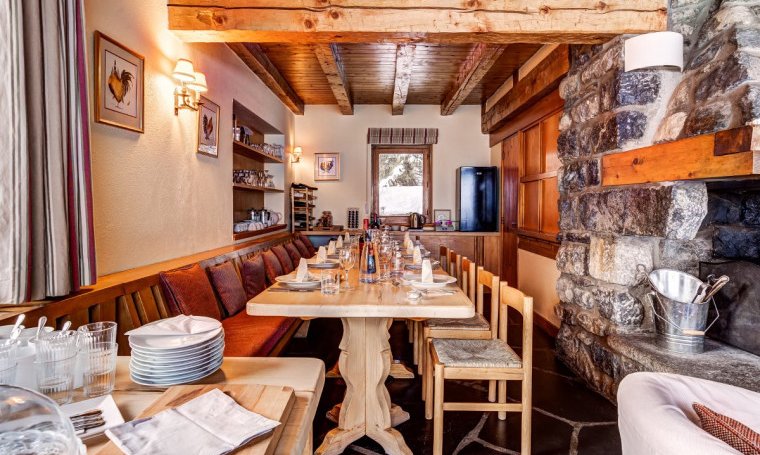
[
  {"x": 490, "y": 360},
  {"x": 469, "y": 277},
  {"x": 474, "y": 328},
  {"x": 454, "y": 264},
  {"x": 443, "y": 256}
]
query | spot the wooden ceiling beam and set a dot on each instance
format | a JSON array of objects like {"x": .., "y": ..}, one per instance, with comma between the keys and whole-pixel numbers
[
  {"x": 401, "y": 21},
  {"x": 478, "y": 62},
  {"x": 332, "y": 65},
  {"x": 255, "y": 58},
  {"x": 544, "y": 78},
  {"x": 404, "y": 62}
]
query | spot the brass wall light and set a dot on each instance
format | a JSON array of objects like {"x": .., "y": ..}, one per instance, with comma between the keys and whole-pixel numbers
[
  {"x": 191, "y": 85},
  {"x": 295, "y": 155}
]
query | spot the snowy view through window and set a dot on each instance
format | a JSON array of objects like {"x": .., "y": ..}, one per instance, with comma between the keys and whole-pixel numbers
[{"x": 400, "y": 182}]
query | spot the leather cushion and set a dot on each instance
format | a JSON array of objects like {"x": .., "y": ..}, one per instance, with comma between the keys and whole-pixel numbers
[
  {"x": 283, "y": 257},
  {"x": 254, "y": 276},
  {"x": 307, "y": 242},
  {"x": 189, "y": 292},
  {"x": 272, "y": 266},
  {"x": 302, "y": 248},
  {"x": 253, "y": 336},
  {"x": 295, "y": 256},
  {"x": 228, "y": 286},
  {"x": 731, "y": 431}
]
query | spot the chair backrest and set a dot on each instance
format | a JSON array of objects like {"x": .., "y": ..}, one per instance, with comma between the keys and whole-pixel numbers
[
  {"x": 511, "y": 297},
  {"x": 452, "y": 263},
  {"x": 488, "y": 280},
  {"x": 443, "y": 256},
  {"x": 468, "y": 278}
]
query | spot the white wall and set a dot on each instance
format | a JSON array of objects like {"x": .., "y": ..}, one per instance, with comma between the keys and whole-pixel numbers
[
  {"x": 154, "y": 197},
  {"x": 324, "y": 129}
]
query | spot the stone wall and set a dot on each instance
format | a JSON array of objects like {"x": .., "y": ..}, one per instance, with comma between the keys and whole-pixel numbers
[{"x": 608, "y": 233}]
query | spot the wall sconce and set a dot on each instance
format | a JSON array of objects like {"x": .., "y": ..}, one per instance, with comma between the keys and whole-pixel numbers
[
  {"x": 295, "y": 155},
  {"x": 191, "y": 85},
  {"x": 654, "y": 49}
]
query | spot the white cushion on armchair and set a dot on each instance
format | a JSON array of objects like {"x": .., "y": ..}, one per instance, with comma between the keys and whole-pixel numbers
[{"x": 655, "y": 415}]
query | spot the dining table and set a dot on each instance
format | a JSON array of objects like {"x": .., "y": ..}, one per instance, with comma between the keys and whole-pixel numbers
[{"x": 366, "y": 311}]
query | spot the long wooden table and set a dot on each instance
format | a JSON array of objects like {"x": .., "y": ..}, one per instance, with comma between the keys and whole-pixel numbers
[{"x": 366, "y": 313}]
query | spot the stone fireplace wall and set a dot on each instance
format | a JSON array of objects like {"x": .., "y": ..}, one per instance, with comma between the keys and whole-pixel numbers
[{"x": 607, "y": 233}]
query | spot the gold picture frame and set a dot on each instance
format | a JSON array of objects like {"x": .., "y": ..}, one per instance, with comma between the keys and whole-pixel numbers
[
  {"x": 119, "y": 85},
  {"x": 208, "y": 128},
  {"x": 326, "y": 166}
]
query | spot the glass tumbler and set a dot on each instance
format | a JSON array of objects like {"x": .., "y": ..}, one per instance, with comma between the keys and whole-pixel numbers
[
  {"x": 99, "y": 368},
  {"x": 8, "y": 352},
  {"x": 330, "y": 281},
  {"x": 55, "y": 378},
  {"x": 97, "y": 332}
]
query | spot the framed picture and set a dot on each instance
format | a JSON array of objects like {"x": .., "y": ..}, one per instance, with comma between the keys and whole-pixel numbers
[
  {"x": 441, "y": 215},
  {"x": 327, "y": 166},
  {"x": 119, "y": 85},
  {"x": 208, "y": 128}
]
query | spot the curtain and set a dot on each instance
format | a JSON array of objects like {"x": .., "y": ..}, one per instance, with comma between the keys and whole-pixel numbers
[
  {"x": 48, "y": 237},
  {"x": 402, "y": 136}
]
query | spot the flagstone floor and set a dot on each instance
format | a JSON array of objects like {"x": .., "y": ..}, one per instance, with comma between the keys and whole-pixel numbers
[{"x": 568, "y": 418}]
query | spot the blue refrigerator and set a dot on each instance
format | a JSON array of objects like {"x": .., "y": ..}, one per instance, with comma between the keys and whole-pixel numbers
[{"x": 478, "y": 198}]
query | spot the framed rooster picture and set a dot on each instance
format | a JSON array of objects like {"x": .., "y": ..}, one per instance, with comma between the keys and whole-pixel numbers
[
  {"x": 208, "y": 127},
  {"x": 326, "y": 166},
  {"x": 119, "y": 85}
]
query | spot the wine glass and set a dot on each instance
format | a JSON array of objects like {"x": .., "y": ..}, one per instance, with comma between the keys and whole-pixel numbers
[{"x": 347, "y": 258}]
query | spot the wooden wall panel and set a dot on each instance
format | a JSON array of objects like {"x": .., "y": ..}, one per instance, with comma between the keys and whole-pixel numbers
[
  {"x": 549, "y": 206},
  {"x": 549, "y": 136},
  {"x": 532, "y": 159},
  {"x": 531, "y": 209}
]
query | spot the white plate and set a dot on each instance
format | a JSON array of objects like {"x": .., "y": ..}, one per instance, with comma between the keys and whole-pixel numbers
[
  {"x": 178, "y": 357},
  {"x": 290, "y": 281},
  {"x": 178, "y": 377},
  {"x": 213, "y": 324},
  {"x": 323, "y": 265},
  {"x": 172, "y": 343},
  {"x": 178, "y": 380},
  {"x": 157, "y": 374},
  {"x": 110, "y": 413},
  {"x": 148, "y": 367},
  {"x": 439, "y": 281},
  {"x": 433, "y": 264}
]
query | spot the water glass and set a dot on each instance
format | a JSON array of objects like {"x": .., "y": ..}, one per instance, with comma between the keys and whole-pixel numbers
[
  {"x": 99, "y": 368},
  {"x": 97, "y": 332},
  {"x": 56, "y": 346},
  {"x": 330, "y": 282},
  {"x": 55, "y": 378},
  {"x": 347, "y": 259},
  {"x": 8, "y": 353}
]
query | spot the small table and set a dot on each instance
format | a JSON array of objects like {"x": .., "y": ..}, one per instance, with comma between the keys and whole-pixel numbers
[{"x": 366, "y": 312}]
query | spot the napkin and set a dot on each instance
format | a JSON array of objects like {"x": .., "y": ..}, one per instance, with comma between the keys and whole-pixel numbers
[
  {"x": 302, "y": 273},
  {"x": 339, "y": 242},
  {"x": 211, "y": 424},
  {"x": 417, "y": 256},
  {"x": 178, "y": 325},
  {"x": 427, "y": 272},
  {"x": 347, "y": 239},
  {"x": 321, "y": 255},
  {"x": 406, "y": 238},
  {"x": 409, "y": 247},
  {"x": 331, "y": 247}
]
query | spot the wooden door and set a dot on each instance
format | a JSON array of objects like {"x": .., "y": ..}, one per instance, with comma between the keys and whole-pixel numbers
[{"x": 510, "y": 172}]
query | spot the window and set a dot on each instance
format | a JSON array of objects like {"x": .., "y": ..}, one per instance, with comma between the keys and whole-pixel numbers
[{"x": 401, "y": 182}]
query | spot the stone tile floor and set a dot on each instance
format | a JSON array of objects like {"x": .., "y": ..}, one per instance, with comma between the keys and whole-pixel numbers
[{"x": 568, "y": 418}]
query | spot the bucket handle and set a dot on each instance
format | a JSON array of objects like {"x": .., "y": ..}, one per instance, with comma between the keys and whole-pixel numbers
[{"x": 689, "y": 332}]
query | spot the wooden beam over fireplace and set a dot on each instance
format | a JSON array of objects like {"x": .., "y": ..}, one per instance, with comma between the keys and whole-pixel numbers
[{"x": 403, "y": 21}]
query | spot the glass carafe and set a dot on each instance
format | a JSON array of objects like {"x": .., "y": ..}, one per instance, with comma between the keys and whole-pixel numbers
[{"x": 368, "y": 264}]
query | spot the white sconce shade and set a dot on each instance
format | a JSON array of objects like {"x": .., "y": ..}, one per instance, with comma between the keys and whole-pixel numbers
[
  {"x": 183, "y": 71},
  {"x": 199, "y": 84},
  {"x": 296, "y": 155},
  {"x": 653, "y": 50}
]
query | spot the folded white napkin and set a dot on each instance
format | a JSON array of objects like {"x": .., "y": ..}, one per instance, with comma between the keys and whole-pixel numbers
[
  {"x": 427, "y": 272},
  {"x": 417, "y": 256},
  {"x": 331, "y": 247},
  {"x": 321, "y": 255},
  {"x": 178, "y": 325},
  {"x": 406, "y": 238},
  {"x": 339, "y": 242},
  {"x": 347, "y": 239},
  {"x": 302, "y": 272},
  {"x": 211, "y": 424},
  {"x": 409, "y": 247}
]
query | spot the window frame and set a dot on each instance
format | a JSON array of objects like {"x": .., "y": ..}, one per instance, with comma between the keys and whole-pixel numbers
[{"x": 427, "y": 179}]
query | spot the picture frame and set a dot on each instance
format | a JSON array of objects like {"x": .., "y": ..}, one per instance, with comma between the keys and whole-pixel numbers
[
  {"x": 441, "y": 215},
  {"x": 119, "y": 85},
  {"x": 326, "y": 166},
  {"x": 208, "y": 128}
]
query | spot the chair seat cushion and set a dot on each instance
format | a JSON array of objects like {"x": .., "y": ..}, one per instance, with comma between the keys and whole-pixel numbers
[
  {"x": 476, "y": 353},
  {"x": 189, "y": 292},
  {"x": 253, "y": 336},
  {"x": 477, "y": 322}
]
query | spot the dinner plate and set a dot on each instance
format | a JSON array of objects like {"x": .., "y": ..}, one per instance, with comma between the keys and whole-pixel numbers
[
  {"x": 333, "y": 256},
  {"x": 433, "y": 264},
  {"x": 179, "y": 375},
  {"x": 426, "y": 254},
  {"x": 179, "y": 379},
  {"x": 439, "y": 281},
  {"x": 167, "y": 343},
  {"x": 290, "y": 281},
  {"x": 322, "y": 265},
  {"x": 182, "y": 363},
  {"x": 176, "y": 371},
  {"x": 181, "y": 356}
]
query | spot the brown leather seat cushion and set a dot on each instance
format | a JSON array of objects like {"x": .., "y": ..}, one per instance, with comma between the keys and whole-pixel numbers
[
  {"x": 189, "y": 292},
  {"x": 284, "y": 258},
  {"x": 272, "y": 266},
  {"x": 228, "y": 286},
  {"x": 254, "y": 276},
  {"x": 308, "y": 244},
  {"x": 302, "y": 248},
  {"x": 295, "y": 256},
  {"x": 247, "y": 336}
]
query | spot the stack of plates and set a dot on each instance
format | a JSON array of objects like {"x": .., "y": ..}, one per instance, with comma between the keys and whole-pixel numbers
[{"x": 165, "y": 360}]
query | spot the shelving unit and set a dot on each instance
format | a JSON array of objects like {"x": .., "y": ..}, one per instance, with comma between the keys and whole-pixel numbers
[
  {"x": 302, "y": 207},
  {"x": 246, "y": 197}
]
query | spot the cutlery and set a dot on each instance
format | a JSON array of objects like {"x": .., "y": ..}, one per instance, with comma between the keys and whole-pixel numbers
[
  {"x": 41, "y": 325},
  {"x": 66, "y": 326},
  {"x": 17, "y": 328},
  {"x": 87, "y": 414}
]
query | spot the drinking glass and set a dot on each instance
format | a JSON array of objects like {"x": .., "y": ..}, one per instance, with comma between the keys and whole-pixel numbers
[
  {"x": 8, "y": 351},
  {"x": 56, "y": 346},
  {"x": 55, "y": 378},
  {"x": 97, "y": 332},
  {"x": 347, "y": 261},
  {"x": 99, "y": 368},
  {"x": 330, "y": 282},
  {"x": 385, "y": 258}
]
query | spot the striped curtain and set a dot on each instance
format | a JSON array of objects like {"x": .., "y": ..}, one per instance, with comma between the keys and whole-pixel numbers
[
  {"x": 402, "y": 136},
  {"x": 48, "y": 236}
]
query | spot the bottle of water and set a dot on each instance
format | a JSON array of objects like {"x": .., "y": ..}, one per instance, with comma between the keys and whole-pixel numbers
[{"x": 368, "y": 268}]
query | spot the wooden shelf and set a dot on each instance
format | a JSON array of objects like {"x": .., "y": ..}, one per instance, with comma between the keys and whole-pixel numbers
[
  {"x": 263, "y": 189},
  {"x": 250, "y": 152},
  {"x": 726, "y": 154},
  {"x": 266, "y": 230}
]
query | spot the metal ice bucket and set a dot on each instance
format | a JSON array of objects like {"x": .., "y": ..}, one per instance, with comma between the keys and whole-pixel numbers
[{"x": 680, "y": 316}]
